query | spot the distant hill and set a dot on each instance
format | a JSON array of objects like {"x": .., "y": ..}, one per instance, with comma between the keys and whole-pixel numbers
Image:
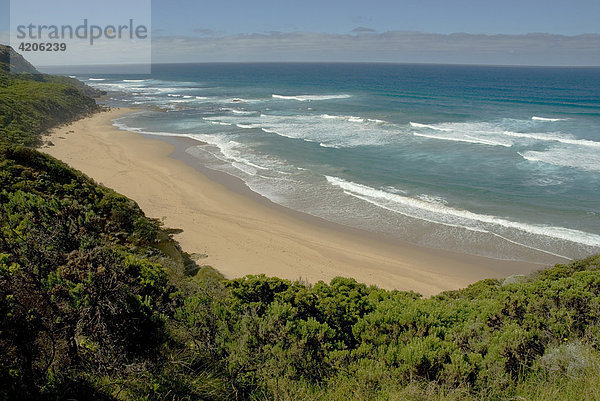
[
  {"x": 20, "y": 65},
  {"x": 23, "y": 69}
]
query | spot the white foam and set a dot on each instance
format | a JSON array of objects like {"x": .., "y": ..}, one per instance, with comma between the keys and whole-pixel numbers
[
  {"x": 325, "y": 145},
  {"x": 330, "y": 117},
  {"x": 117, "y": 87},
  {"x": 283, "y": 134},
  {"x": 137, "y": 130},
  {"x": 228, "y": 148},
  {"x": 246, "y": 126},
  {"x": 231, "y": 154},
  {"x": 488, "y": 142},
  {"x": 536, "y": 118},
  {"x": 219, "y": 123},
  {"x": 269, "y": 131},
  {"x": 335, "y": 131},
  {"x": 353, "y": 119},
  {"x": 243, "y": 112},
  {"x": 494, "y": 134},
  {"x": 550, "y": 137},
  {"x": 145, "y": 86},
  {"x": 566, "y": 157},
  {"x": 244, "y": 168},
  {"x": 394, "y": 190},
  {"x": 433, "y": 127},
  {"x": 432, "y": 199},
  {"x": 466, "y": 138},
  {"x": 308, "y": 98},
  {"x": 167, "y": 90},
  {"x": 443, "y": 214}
]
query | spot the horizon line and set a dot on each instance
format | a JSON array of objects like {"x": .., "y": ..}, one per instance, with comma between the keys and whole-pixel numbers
[{"x": 328, "y": 62}]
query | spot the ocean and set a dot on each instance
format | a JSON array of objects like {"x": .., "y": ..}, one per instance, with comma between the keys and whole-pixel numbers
[{"x": 501, "y": 162}]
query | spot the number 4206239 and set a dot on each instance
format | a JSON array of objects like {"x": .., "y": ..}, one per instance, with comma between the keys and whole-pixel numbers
[{"x": 42, "y": 47}]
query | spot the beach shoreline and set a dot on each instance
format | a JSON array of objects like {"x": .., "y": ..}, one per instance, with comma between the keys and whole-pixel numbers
[{"x": 241, "y": 232}]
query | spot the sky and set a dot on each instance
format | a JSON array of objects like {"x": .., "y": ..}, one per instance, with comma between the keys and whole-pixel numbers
[
  {"x": 333, "y": 16},
  {"x": 437, "y": 31}
]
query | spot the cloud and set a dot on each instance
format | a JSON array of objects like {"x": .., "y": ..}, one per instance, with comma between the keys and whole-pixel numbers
[
  {"x": 392, "y": 46},
  {"x": 204, "y": 31},
  {"x": 362, "y": 29}
]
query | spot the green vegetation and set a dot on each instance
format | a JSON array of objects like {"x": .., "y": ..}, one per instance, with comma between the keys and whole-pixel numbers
[
  {"x": 83, "y": 286},
  {"x": 98, "y": 302},
  {"x": 31, "y": 103}
]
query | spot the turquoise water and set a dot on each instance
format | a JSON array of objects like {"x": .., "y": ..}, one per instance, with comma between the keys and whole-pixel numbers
[{"x": 496, "y": 161}]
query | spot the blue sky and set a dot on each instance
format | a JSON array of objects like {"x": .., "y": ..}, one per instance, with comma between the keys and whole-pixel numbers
[
  {"x": 437, "y": 16},
  {"x": 199, "y": 25},
  {"x": 182, "y": 17}
]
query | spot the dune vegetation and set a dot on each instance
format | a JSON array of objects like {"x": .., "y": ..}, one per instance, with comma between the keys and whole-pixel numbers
[{"x": 31, "y": 103}]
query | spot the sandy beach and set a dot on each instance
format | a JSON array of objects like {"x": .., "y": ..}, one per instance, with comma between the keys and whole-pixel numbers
[{"x": 242, "y": 235}]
